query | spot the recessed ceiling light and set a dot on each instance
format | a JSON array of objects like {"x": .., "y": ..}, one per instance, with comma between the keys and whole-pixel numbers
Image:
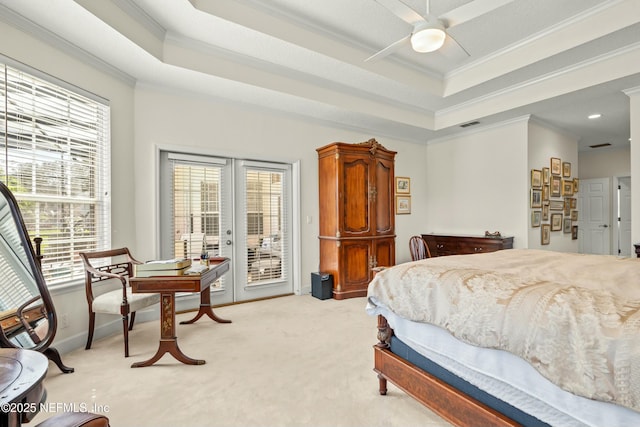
[{"x": 595, "y": 116}]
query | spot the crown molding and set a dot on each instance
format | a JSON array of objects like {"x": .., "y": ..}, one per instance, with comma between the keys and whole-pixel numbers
[
  {"x": 633, "y": 91},
  {"x": 542, "y": 78},
  {"x": 561, "y": 37},
  {"x": 142, "y": 17},
  {"x": 554, "y": 128},
  {"x": 480, "y": 129},
  {"x": 537, "y": 36},
  {"x": 25, "y": 25}
]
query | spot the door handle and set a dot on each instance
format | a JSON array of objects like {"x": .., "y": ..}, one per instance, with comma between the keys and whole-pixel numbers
[
  {"x": 228, "y": 242},
  {"x": 604, "y": 225}
]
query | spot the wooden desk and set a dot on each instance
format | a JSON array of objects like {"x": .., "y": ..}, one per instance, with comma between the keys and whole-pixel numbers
[
  {"x": 21, "y": 385},
  {"x": 167, "y": 286}
]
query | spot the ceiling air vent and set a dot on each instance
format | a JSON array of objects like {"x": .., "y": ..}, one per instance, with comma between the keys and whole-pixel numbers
[
  {"x": 466, "y": 125},
  {"x": 606, "y": 144}
]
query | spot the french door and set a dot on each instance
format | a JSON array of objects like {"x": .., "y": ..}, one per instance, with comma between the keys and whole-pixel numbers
[{"x": 231, "y": 208}]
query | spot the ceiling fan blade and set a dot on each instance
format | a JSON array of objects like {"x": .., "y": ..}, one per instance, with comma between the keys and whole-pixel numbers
[
  {"x": 453, "y": 50},
  {"x": 388, "y": 50},
  {"x": 470, "y": 11},
  {"x": 402, "y": 11}
]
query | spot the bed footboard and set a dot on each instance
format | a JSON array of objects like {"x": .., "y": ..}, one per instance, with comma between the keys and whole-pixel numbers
[{"x": 445, "y": 400}]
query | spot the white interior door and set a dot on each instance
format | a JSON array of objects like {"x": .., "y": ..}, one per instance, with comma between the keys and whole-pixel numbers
[{"x": 594, "y": 224}]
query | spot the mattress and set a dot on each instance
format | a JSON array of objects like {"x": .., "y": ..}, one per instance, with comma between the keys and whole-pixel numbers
[{"x": 505, "y": 376}]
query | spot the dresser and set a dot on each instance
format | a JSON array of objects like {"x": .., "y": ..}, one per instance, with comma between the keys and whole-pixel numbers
[
  {"x": 356, "y": 217},
  {"x": 442, "y": 244}
]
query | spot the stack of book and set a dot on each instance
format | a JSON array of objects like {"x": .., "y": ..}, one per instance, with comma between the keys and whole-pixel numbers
[{"x": 168, "y": 267}]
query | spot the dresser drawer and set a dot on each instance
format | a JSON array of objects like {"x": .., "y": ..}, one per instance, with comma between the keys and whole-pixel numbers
[
  {"x": 442, "y": 248},
  {"x": 471, "y": 247}
]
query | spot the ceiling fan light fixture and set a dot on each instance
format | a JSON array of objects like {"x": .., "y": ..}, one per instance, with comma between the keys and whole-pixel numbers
[{"x": 428, "y": 38}]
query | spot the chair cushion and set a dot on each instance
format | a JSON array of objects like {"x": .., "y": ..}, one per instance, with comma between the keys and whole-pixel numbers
[{"x": 110, "y": 302}]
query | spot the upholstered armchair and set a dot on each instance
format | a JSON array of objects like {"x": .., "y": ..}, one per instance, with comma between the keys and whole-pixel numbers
[{"x": 115, "y": 265}]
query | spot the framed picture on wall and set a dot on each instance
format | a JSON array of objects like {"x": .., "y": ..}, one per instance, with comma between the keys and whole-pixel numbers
[
  {"x": 556, "y": 221},
  {"x": 573, "y": 202},
  {"x": 574, "y": 215},
  {"x": 403, "y": 205},
  {"x": 566, "y": 169},
  {"x": 545, "y": 211},
  {"x": 567, "y": 226},
  {"x": 545, "y": 234},
  {"x": 545, "y": 175},
  {"x": 536, "y": 178},
  {"x": 556, "y": 166},
  {"x": 567, "y": 187},
  {"x": 556, "y": 186},
  {"x": 403, "y": 185},
  {"x": 574, "y": 232},
  {"x": 576, "y": 185},
  {"x": 536, "y": 198},
  {"x": 535, "y": 218},
  {"x": 545, "y": 192},
  {"x": 556, "y": 205}
]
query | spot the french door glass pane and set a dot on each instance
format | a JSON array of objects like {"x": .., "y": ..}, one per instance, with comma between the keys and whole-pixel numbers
[
  {"x": 196, "y": 210},
  {"x": 265, "y": 224}
]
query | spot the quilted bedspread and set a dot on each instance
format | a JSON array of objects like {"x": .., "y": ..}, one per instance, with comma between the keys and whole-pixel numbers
[{"x": 574, "y": 317}]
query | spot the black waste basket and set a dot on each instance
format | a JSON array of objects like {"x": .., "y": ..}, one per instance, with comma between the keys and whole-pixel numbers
[{"x": 322, "y": 285}]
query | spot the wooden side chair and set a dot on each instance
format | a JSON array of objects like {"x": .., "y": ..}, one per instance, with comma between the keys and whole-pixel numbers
[
  {"x": 418, "y": 248},
  {"x": 115, "y": 265}
]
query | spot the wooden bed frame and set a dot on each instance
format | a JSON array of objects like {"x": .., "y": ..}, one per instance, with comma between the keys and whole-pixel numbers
[{"x": 445, "y": 400}]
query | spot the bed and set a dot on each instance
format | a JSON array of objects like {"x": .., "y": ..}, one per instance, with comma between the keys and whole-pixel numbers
[{"x": 513, "y": 337}]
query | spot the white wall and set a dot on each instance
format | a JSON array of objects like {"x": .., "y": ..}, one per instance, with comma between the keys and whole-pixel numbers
[
  {"x": 478, "y": 181},
  {"x": 605, "y": 163},
  {"x": 544, "y": 143},
  {"x": 186, "y": 122}
]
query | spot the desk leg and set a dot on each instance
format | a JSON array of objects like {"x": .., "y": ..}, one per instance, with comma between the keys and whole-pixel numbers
[
  {"x": 168, "y": 339},
  {"x": 205, "y": 308}
]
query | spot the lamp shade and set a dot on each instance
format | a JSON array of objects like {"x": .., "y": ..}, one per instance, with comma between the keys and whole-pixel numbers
[{"x": 427, "y": 38}]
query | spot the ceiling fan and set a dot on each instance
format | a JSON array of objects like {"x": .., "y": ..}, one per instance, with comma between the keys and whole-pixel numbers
[{"x": 430, "y": 32}]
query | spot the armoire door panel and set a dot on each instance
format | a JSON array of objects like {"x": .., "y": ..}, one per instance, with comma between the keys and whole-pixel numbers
[
  {"x": 384, "y": 203},
  {"x": 355, "y": 262},
  {"x": 385, "y": 252},
  {"x": 355, "y": 195}
]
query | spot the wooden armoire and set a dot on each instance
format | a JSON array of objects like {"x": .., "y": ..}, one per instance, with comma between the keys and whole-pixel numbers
[{"x": 357, "y": 222}]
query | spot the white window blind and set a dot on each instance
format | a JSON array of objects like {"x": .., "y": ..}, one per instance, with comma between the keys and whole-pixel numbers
[
  {"x": 266, "y": 222},
  {"x": 196, "y": 208},
  {"x": 55, "y": 158}
]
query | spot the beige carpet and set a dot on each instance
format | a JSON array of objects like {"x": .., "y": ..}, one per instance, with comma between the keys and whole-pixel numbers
[{"x": 290, "y": 361}]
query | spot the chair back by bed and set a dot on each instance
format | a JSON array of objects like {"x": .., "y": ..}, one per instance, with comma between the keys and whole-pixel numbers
[{"x": 418, "y": 248}]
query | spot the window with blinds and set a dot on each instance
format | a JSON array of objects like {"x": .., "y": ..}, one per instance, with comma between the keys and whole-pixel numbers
[{"x": 54, "y": 157}]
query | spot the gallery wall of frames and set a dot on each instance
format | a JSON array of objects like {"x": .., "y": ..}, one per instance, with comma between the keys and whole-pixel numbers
[{"x": 553, "y": 200}]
